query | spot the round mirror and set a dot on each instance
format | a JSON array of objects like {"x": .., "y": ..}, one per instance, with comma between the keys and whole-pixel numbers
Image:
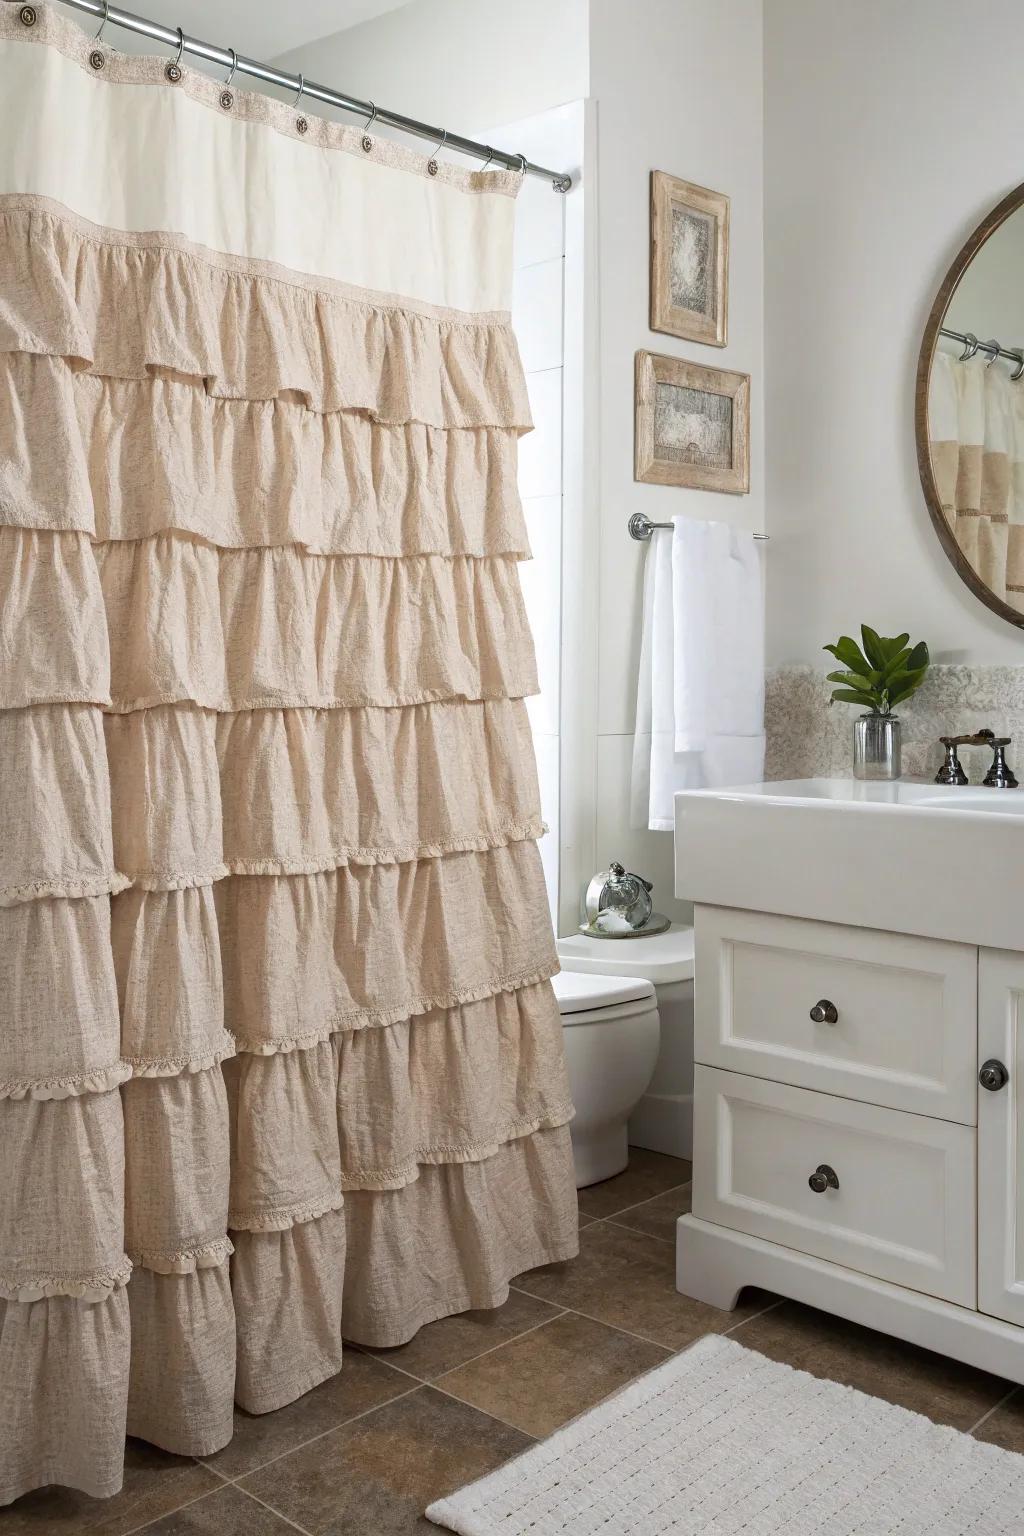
[{"x": 970, "y": 410}]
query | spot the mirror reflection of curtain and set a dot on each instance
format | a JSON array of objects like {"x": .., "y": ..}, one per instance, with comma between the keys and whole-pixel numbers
[{"x": 976, "y": 437}]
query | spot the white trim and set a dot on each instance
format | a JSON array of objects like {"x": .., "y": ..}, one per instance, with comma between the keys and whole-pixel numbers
[
  {"x": 580, "y": 538},
  {"x": 713, "y": 1264}
]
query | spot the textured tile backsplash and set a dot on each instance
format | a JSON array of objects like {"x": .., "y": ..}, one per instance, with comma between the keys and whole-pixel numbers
[{"x": 809, "y": 738}]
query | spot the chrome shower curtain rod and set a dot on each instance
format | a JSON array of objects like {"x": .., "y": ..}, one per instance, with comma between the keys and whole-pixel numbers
[
  {"x": 112, "y": 15},
  {"x": 971, "y": 344}
]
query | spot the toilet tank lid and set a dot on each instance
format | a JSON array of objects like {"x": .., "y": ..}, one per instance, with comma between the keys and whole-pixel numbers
[
  {"x": 659, "y": 957},
  {"x": 579, "y": 992}
]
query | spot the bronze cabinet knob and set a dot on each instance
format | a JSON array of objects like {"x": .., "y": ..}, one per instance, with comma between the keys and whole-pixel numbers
[
  {"x": 825, "y": 1012},
  {"x": 823, "y": 1178},
  {"x": 993, "y": 1075}
]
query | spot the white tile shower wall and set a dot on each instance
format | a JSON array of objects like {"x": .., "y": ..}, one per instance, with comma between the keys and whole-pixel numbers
[
  {"x": 537, "y": 315},
  {"x": 808, "y": 738}
]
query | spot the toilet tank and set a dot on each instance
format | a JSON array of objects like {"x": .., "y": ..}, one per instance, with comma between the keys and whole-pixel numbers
[{"x": 663, "y": 1120}]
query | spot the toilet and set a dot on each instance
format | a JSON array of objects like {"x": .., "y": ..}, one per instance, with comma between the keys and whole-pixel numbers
[
  {"x": 627, "y": 1016},
  {"x": 611, "y": 1032}
]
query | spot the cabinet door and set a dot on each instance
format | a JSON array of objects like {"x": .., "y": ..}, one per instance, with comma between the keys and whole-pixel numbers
[{"x": 1001, "y": 1137}]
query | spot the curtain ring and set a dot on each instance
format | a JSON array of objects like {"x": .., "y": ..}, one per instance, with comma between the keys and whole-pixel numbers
[
  {"x": 971, "y": 345},
  {"x": 367, "y": 140},
  {"x": 993, "y": 347},
  {"x": 432, "y": 165},
  {"x": 1018, "y": 372},
  {"x": 490, "y": 157},
  {"x": 173, "y": 69},
  {"x": 522, "y": 165},
  {"x": 106, "y": 8},
  {"x": 301, "y": 123},
  {"x": 227, "y": 97}
]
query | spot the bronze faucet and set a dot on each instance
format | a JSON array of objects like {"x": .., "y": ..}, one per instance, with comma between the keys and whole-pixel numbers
[{"x": 999, "y": 776}]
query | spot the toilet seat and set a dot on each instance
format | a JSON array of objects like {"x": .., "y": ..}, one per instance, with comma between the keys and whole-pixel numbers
[{"x": 589, "y": 999}]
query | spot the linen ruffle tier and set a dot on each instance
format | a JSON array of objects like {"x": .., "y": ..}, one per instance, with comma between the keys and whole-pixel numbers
[{"x": 280, "y": 1058}]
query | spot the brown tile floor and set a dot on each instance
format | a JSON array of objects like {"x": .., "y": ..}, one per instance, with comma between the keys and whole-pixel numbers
[{"x": 367, "y": 1451}]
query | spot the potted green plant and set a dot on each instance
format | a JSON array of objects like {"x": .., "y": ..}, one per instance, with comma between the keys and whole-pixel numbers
[{"x": 877, "y": 677}]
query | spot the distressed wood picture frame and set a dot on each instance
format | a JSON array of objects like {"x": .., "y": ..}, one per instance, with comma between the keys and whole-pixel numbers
[
  {"x": 689, "y": 260},
  {"x": 692, "y": 425}
]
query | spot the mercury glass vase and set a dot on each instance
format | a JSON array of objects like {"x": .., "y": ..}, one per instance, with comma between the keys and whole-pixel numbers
[{"x": 876, "y": 747}]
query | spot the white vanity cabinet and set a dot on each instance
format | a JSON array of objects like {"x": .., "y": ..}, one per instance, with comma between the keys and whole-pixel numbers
[{"x": 845, "y": 1152}]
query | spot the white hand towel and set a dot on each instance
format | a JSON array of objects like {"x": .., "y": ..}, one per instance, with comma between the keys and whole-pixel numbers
[{"x": 700, "y": 693}]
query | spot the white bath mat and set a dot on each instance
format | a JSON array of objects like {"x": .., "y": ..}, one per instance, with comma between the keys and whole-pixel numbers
[{"x": 720, "y": 1440}]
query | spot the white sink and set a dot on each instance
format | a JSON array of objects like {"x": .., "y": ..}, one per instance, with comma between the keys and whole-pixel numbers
[
  {"x": 941, "y": 861},
  {"x": 852, "y": 794}
]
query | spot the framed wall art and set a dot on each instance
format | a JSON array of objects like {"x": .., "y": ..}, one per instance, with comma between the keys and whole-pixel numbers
[
  {"x": 692, "y": 425},
  {"x": 689, "y": 260}
]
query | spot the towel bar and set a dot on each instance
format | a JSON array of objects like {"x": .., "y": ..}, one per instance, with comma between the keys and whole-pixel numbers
[{"x": 641, "y": 527}]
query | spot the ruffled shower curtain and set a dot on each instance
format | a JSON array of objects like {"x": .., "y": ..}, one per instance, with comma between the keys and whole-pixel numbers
[
  {"x": 976, "y": 438},
  {"x": 279, "y": 1056}
]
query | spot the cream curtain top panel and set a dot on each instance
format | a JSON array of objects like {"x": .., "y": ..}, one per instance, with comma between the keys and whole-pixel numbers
[{"x": 313, "y": 202}]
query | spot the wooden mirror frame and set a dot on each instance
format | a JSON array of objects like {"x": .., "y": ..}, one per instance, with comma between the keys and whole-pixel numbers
[{"x": 988, "y": 226}]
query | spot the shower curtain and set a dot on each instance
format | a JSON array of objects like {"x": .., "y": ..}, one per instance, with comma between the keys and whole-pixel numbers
[
  {"x": 279, "y": 1056},
  {"x": 976, "y": 438}
]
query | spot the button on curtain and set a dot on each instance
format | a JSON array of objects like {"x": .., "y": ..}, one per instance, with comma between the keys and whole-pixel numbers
[{"x": 280, "y": 1062}]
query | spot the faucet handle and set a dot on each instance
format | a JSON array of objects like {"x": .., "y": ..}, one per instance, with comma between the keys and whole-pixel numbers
[
  {"x": 952, "y": 771},
  {"x": 1000, "y": 775}
]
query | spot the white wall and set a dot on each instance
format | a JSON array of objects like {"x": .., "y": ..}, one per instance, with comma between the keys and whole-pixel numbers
[
  {"x": 458, "y": 63},
  {"x": 880, "y": 159},
  {"x": 678, "y": 88}
]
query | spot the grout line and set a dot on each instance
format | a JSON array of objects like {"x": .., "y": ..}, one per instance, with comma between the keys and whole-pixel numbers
[
  {"x": 753, "y": 1317},
  {"x": 215, "y": 1470},
  {"x": 640, "y": 1338},
  {"x": 341, "y": 1424},
  {"x": 995, "y": 1406},
  {"x": 465, "y": 1403},
  {"x": 284, "y": 1518},
  {"x": 672, "y": 1189},
  {"x": 513, "y": 1339},
  {"x": 148, "y": 1524},
  {"x": 613, "y": 1221}
]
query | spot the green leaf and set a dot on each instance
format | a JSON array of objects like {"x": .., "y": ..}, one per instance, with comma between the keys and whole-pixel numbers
[
  {"x": 918, "y": 658},
  {"x": 850, "y": 680},
  {"x": 892, "y": 647},
  {"x": 848, "y": 696},
  {"x": 897, "y": 661},
  {"x": 910, "y": 683},
  {"x": 907, "y": 675},
  {"x": 872, "y": 647},
  {"x": 850, "y": 654}
]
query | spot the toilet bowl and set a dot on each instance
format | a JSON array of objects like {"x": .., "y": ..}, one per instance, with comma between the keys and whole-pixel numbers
[
  {"x": 663, "y": 1119},
  {"x": 611, "y": 1032}
]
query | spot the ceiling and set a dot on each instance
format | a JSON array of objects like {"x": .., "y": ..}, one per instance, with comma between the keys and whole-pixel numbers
[{"x": 262, "y": 29}]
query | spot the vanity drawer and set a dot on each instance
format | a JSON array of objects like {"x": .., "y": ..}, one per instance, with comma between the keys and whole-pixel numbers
[
  {"x": 904, "y": 1209},
  {"x": 904, "y": 1031}
]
